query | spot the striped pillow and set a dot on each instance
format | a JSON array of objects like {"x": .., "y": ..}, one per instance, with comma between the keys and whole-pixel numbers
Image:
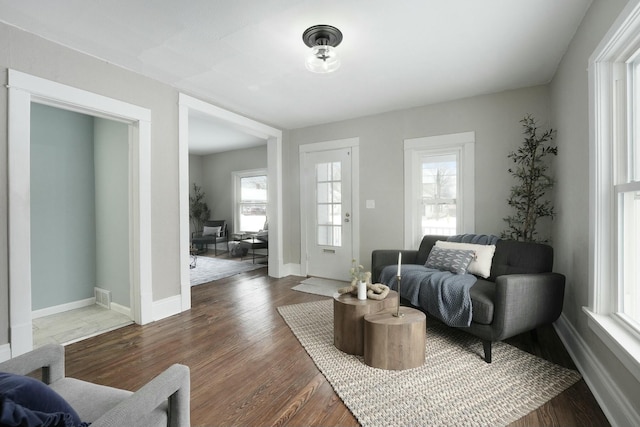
[{"x": 453, "y": 260}]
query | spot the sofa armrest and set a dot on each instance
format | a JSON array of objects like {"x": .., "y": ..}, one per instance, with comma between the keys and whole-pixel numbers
[
  {"x": 173, "y": 385},
  {"x": 380, "y": 258},
  {"x": 526, "y": 301},
  {"x": 49, "y": 357}
]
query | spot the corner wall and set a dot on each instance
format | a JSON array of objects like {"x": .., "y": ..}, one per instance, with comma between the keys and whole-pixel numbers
[{"x": 613, "y": 385}]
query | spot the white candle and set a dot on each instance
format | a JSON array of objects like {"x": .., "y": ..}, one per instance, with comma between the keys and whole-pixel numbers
[{"x": 399, "y": 262}]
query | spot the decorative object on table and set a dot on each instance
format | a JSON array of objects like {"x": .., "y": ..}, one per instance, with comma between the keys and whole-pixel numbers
[
  {"x": 198, "y": 210},
  {"x": 359, "y": 279},
  {"x": 453, "y": 387},
  {"x": 193, "y": 251},
  {"x": 528, "y": 196},
  {"x": 376, "y": 291},
  {"x": 398, "y": 279}
]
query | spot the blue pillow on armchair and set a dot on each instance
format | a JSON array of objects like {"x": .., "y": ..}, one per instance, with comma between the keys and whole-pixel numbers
[{"x": 28, "y": 402}]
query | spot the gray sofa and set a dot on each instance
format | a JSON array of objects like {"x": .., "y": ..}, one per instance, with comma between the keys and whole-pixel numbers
[
  {"x": 521, "y": 293},
  {"x": 164, "y": 401}
]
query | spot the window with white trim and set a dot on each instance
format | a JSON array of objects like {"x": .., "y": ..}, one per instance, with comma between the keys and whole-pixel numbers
[
  {"x": 250, "y": 194},
  {"x": 614, "y": 80},
  {"x": 439, "y": 186}
]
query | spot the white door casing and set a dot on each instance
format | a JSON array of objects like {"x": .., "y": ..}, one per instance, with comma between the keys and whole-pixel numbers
[
  {"x": 329, "y": 207},
  {"x": 23, "y": 90}
]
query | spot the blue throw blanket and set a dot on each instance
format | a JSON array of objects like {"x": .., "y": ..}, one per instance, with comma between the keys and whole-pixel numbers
[{"x": 442, "y": 294}]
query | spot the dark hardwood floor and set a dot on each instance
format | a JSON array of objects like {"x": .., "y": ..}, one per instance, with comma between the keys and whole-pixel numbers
[{"x": 248, "y": 369}]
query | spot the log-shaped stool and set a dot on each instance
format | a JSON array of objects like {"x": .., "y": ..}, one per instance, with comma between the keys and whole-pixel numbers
[
  {"x": 392, "y": 342},
  {"x": 348, "y": 319}
]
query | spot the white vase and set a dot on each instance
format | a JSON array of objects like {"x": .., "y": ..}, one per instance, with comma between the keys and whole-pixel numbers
[{"x": 362, "y": 290}]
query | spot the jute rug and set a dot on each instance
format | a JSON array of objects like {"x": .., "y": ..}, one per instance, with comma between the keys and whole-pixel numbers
[
  {"x": 455, "y": 387},
  {"x": 210, "y": 269}
]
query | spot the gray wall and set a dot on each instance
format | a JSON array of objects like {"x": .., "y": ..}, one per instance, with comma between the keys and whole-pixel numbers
[
  {"x": 63, "y": 229},
  {"x": 495, "y": 120},
  {"x": 111, "y": 159},
  {"x": 214, "y": 172},
  {"x": 569, "y": 103}
]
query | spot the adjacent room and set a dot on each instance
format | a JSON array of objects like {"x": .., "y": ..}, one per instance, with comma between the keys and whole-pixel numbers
[{"x": 340, "y": 214}]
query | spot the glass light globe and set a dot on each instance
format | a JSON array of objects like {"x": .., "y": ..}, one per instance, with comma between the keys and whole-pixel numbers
[{"x": 322, "y": 59}]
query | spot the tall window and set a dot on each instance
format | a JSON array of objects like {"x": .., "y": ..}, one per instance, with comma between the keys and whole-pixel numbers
[
  {"x": 614, "y": 306},
  {"x": 251, "y": 200},
  {"x": 439, "y": 194},
  {"x": 439, "y": 186}
]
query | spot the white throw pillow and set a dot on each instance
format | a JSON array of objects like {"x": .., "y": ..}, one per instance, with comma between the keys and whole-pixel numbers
[
  {"x": 481, "y": 265},
  {"x": 211, "y": 231}
]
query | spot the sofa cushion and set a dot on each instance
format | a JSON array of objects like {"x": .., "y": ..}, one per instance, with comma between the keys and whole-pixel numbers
[
  {"x": 513, "y": 257},
  {"x": 483, "y": 255},
  {"x": 482, "y": 296},
  {"x": 453, "y": 260}
]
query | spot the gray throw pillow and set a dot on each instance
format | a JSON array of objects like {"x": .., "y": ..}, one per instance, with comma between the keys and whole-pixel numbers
[{"x": 453, "y": 260}]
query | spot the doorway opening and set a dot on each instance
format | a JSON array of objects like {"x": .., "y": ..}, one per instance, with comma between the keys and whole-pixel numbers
[
  {"x": 24, "y": 91},
  {"x": 273, "y": 137}
]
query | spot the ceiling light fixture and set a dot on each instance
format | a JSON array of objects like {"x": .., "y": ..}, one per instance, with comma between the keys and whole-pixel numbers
[{"x": 322, "y": 39}]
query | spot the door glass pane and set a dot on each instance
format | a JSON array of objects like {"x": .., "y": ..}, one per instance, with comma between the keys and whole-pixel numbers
[
  {"x": 630, "y": 239},
  {"x": 439, "y": 194},
  {"x": 329, "y": 204}
]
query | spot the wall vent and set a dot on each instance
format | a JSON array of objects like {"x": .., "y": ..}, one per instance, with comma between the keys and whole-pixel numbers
[{"x": 103, "y": 297}]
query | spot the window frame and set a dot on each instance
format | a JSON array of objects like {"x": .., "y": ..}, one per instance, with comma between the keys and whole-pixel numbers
[
  {"x": 237, "y": 177},
  {"x": 463, "y": 146},
  {"x": 609, "y": 120}
]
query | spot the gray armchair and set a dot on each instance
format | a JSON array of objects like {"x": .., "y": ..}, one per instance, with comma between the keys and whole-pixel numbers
[
  {"x": 201, "y": 239},
  {"x": 164, "y": 401},
  {"x": 521, "y": 293}
]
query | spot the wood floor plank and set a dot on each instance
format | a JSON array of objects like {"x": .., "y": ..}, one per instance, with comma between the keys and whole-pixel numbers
[{"x": 247, "y": 367}]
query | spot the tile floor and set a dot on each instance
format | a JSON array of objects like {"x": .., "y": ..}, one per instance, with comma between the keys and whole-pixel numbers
[{"x": 75, "y": 325}]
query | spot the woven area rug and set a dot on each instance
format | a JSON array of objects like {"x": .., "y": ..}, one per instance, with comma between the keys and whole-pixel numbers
[
  {"x": 210, "y": 269},
  {"x": 455, "y": 387}
]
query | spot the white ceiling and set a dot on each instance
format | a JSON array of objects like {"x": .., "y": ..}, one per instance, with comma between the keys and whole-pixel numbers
[{"x": 247, "y": 56}]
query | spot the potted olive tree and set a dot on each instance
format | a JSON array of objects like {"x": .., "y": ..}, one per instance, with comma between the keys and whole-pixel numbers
[
  {"x": 198, "y": 210},
  {"x": 528, "y": 196}
]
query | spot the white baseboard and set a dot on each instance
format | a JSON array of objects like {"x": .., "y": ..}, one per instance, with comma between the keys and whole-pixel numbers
[
  {"x": 5, "y": 352},
  {"x": 166, "y": 307},
  {"x": 48, "y": 311},
  {"x": 617, "y": 407},
  {"x": 291, "y": 270},
  {"x": 121, "y": 309}
]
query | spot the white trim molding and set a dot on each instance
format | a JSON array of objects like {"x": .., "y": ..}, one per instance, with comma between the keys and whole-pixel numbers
[
  {"x": 618, "y": 408},
  {"x": 274, "y": 183},
  {"x": 23, "y": 90},
  {"x": 36, "y": 314}
]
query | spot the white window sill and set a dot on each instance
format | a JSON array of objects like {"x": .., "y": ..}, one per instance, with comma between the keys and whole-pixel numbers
[{"x": 618, "y": 338}]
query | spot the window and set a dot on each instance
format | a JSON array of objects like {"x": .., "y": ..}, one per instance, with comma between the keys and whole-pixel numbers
[
  {"x": 614, "y": 305},
  {"x": 250, "y": 200},
  {"x": 439, "y": 186}
]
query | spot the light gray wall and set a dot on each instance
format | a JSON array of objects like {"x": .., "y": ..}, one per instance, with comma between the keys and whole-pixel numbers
[
  {"x": 111, "y": 159},
  {"x": 495, "y": 120},
  {"x": 569, "y": 103},
  {"x": 63, "y": 229},
  {"x": 217, "y": 180},
  {"x": 31, "y": 54}
]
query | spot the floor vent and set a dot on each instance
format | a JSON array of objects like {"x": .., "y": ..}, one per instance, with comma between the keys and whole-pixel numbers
[{"x": 103, "y": 297}]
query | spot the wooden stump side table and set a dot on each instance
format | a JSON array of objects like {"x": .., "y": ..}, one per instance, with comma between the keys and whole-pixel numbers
[
  {"x": 395, "y": 342},
  {"x": 348, "y": 319}
]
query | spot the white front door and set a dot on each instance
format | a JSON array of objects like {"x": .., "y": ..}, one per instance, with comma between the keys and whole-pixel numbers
[{"x": 327, "y": 198}]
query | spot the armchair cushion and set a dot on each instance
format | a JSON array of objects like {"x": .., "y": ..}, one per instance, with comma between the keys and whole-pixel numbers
[
  {"x": 211, "y": 231},
  {"x": 26, "y": 401}
]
